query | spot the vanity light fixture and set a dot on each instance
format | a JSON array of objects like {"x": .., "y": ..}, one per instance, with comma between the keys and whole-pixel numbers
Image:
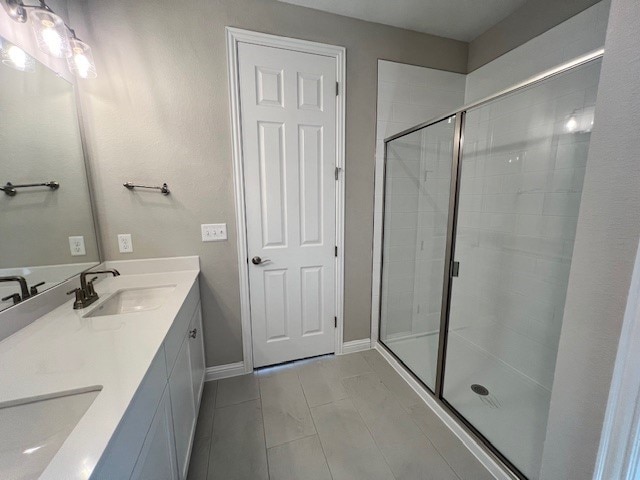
[
  {"x": 14, "y": 57},
  {"x": 54, "y": 36},
  {"x": 81, "y": 60},
  {"x": 51, "y": 32}
]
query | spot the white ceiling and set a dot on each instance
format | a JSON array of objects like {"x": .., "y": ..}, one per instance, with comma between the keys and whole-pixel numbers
[{"x": 459, "y": 19}]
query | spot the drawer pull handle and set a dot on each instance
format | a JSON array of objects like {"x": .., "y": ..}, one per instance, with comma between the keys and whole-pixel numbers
[{"x": 193, "y": 333}]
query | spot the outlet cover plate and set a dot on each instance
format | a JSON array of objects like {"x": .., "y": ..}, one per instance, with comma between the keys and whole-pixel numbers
[
  {"x": 76, "y": 245},
  {"x": 214, "y": 232},
  {"x": 124, "y": 243}
]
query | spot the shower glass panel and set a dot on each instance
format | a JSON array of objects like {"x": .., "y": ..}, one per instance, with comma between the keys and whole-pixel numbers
[
  {"x": 416, "y": 206},
  {"x": 520, "y": 182}
]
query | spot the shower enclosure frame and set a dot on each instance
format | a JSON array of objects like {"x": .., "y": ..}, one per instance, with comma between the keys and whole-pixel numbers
[{"x": 452, "y": 221}]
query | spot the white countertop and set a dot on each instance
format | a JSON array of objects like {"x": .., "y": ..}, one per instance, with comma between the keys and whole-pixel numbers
[{"x": 62, "y": 351}]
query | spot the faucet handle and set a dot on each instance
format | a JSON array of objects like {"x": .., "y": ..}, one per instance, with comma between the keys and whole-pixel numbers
[
  {"x": 34, "y": 288},
  {"x": 80, "y": 297},
  {"x": 15, "y": 297},
  {"x": 90, "y": 290}
]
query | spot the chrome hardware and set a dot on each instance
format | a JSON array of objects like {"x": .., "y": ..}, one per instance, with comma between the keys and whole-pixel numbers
[
  {"x": 164, "y": 189},
  {"x": 193, "y": 333},
  {"x": 10, "y": 188},
  {"x": 259, "y": 261}
]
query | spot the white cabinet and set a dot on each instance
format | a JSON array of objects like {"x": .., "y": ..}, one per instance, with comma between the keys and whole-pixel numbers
[
  {"x": 183, "y": 406},
  {"x": 157, "y": 460},
  {"x": 120, "y": 457},
  {"x": 196, "y": 351},
  {"x": 155, "y": 436}
]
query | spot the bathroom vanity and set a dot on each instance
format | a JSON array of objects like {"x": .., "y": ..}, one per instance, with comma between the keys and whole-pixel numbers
[{"x": 111, "y": 391}]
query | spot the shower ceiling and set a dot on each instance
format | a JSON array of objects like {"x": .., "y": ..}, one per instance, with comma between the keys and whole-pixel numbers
[{"x": 458, "y": 19}]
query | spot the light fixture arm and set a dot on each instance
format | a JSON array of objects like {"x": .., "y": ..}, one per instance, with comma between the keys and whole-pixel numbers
[{"x": 17, "y": 11}]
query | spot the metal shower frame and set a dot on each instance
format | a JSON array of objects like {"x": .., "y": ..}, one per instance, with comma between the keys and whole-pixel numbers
[{"x": 448, "y": 275}]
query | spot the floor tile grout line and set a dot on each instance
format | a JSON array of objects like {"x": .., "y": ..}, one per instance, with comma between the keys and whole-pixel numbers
[
  {"x": 409, "y": 413},
  {"x": 238, "y": 403},
  {"x": 406, "y": 412},
  {"x": 264, "y": 428},
  {"x": 326, "y": 460},
  {"x": 213, "y": 419},
  {"x": 437, "y": 450},
  {"x": 291, "y": 441},
  {"x": 355, "y": 407}
]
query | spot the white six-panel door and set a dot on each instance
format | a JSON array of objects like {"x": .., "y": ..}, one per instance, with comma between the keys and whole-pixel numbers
[{"x": 288, "y": 118}]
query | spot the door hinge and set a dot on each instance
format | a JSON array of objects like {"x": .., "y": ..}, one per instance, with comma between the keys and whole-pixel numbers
[
  {"x": 338, "y": 173},
  {"x": 337, "y": 88},
  {"x": 455, "y": 269},
  {"x": 335, "y": 251},
  {"x": 335, "y": 322}
]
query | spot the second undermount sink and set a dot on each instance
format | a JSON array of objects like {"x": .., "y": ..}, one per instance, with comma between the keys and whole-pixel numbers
[
  {"x": 132, "y": 300},
  {"x": 32, "y": 430}
]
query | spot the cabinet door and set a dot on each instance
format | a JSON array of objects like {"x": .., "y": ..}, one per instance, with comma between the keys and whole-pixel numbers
[
  {"x": 196, "y": 351},
  {"x": 157, "y": 460},
  {"x": 182, "y": 406}
]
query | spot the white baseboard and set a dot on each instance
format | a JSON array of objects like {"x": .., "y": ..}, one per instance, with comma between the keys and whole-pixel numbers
[
  {"x": 356, "y": 346},
  {"x": 471, "y": 443},
  {"x": 224, "y": 371}
]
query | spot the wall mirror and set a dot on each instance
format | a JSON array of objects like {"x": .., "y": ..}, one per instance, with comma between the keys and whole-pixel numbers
[{"x": 47, "y": 232}]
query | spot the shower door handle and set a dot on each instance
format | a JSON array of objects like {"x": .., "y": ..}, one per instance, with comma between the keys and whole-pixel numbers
[{"x": 455, "y": 269}]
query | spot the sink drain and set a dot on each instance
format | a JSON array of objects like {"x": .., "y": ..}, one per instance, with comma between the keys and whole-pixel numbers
[{"x": 479, "y": 389}]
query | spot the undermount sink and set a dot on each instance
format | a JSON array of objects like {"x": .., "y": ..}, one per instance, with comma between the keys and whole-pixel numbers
[
  {"x": 132, "y": 300},
  {"x": 32, "y": 430}
]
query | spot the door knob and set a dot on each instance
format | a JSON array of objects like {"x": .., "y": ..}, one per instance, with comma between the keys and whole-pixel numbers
[{"x": 258, "y": 260}]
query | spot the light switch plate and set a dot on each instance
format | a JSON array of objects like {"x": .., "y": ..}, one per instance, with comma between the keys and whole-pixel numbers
[
  {"x": 214, "y": 232},
  {"x": 124, "y": 243},
  {"x": 76, "y": 244}
]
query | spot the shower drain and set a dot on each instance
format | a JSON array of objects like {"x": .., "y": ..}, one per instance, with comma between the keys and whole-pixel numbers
[{"x": 479, "y": 389}]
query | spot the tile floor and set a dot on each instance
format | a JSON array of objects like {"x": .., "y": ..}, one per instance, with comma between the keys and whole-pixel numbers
[{"x": 347, "y": 417}]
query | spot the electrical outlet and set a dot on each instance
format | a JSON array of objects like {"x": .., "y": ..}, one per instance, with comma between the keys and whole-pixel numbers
[
  {"x": 124, "y": 243},
  {"x": 214, "y": 232},
  {"x": 76, "y": 244}
]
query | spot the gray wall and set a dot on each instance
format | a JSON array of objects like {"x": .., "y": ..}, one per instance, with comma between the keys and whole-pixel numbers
[
  {"x": 159, "y": 111},
  {"x": 606, "y": 242},
  {"x": 530, "y": 20}
]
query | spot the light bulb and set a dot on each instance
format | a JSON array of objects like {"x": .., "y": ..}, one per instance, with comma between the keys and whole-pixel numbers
[
  {"x": 17, "y": 56},
  {"x": 51, "y": 33},
  {"x": 571, "y": 125},
  {"x": 82, "y": 64},
  {"x": 53, "y": 41},
  {"x": 14, "y": 57},
  {"x": 81, "y": 60}
]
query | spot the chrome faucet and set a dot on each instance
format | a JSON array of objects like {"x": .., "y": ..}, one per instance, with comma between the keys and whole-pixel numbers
[
  {"x": 24, "y": 289},
  {"x": 86, "y": 293}
]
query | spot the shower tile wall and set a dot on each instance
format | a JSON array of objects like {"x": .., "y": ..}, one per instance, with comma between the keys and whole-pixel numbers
[
  {"x": 576, "y": 36},
  {"x": 407, "y": 95},
  {"x": 520, "y": 191}
]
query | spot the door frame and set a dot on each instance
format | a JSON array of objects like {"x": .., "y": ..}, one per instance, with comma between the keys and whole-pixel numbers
[{"x": 235, "y": 36}]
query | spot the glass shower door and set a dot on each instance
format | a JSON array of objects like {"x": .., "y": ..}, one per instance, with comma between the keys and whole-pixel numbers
[
  {"x": 416, "y": 206},
  {"x": 522, "y": 168}
]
